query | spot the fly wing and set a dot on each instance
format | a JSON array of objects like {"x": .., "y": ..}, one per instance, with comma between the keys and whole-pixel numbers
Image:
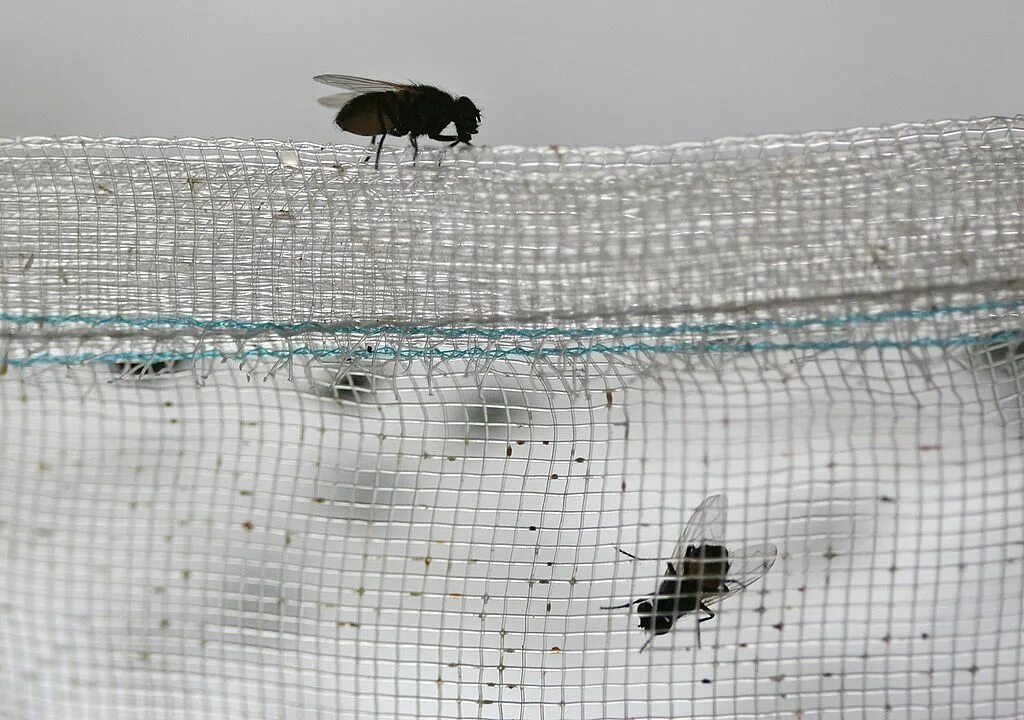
[
  {"x": 707, "y": 524},
  {"x": 338, "y": 100},
  {"x": 359, "y": 84},
  {"x": 746, "y": 566}
]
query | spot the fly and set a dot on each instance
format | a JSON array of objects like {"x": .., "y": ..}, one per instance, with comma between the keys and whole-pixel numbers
[{"x": 702, "y": 571}]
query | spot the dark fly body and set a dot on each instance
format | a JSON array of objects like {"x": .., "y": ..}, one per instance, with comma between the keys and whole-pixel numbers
[
  {"x": 701, "y": 572},
  {"x": 376, "y": 107}
]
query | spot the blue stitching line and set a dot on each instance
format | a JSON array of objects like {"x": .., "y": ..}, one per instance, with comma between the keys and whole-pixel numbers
[
  {"x": 448, "y": 332},
  {"x": 474, "y": 353}
]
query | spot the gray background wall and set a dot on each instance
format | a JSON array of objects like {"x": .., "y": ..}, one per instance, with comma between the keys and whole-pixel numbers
[{"x": 579, "y": 72}]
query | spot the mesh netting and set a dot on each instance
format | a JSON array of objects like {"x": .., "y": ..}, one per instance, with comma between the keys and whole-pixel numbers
[{"x": 284, "y": 436}]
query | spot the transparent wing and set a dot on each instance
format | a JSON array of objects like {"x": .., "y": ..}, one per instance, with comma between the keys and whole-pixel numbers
[
  {"x": 359, "y": 84},
  {"x": 338, "y": 100},
  {"x": 746, "y": 566},
  {"x": 706, "y": 524}
]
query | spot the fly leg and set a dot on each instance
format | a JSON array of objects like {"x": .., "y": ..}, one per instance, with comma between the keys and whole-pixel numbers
[
  {"x": 710, "y": 614},
  {"x": 373, "y": 141},
  {"x": 620, "y": 607},
  {"x": 415, "y": 148},
  {"x": 381, "y": 112},
  {"x": 449, "y": 138},
  {"x": 631, "y": 555}
]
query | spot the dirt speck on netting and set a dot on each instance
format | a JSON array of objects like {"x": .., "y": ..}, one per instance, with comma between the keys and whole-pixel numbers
[
  {"x": 193, "y": 183},
  {"x": 427, "y": 560},
  {"x": 245, "y": 493},
  {"x": 346, "y": 623},
  {"x": 581, "y": 460},
  {"x": 608, "y": 397},
  {"x": 508, "y": 451},
  {"x": 554, "y": 476},
  {"x": 165, "y": 624},
  {"x": 186, "y": 574},
  {"x": 320, "y": 500},
  {"x": 248, "y": 525},
  {"x": 706, "y": 681},
  {"x": 555, "y": 650}
]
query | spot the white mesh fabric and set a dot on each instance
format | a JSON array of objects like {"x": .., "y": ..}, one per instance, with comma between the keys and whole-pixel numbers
[{"x": 284, "y": 436}]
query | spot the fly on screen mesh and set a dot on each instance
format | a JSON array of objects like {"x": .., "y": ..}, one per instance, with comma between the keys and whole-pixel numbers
[{"x": 285, "y": 436}]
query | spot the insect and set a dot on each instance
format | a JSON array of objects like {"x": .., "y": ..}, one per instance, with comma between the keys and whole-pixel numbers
[
  {"x": 701, "y": 572},
  {"x": 375, "y": 107}
]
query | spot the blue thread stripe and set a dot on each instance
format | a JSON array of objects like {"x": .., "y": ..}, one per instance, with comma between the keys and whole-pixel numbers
[
  {"x": 387, "y": 353},
  {"x": 449, "y": 332}
]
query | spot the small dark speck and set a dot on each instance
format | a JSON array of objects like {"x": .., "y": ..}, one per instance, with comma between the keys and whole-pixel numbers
[
  {"x": 925, "y": 636},
  {"x": 554, "y": 476},
  {"x": 520, "y": 442},
  {"x": 545, "y": 442},
  {"x": 706, "y": 681},
  {"x": 186, "y": 574},
  {"x": 490, "y": 684},
  {"x": 802, "y": 588},
  {"x": 887, "y": 638},
  {"x": 543, "y": 582},
  {"x": 320, "y": 500},
  {"x": 761, "y": 610},
  {"x": 485, "y": 702},
  {"x": 550, "y": 563},
  {"x": 508, "y": 451},
  {"x": 415, "y": 593},
  {"x": 245, "y": 493},
  {"x": 888, "y": 707},
  {"x": 581, "y": 460},
  {"x": 892, "y": 568},
  {"x": 549, "y": 607},
  {"x": 164, "y": 624},
  {"x": 778, "y": 678},
  {"x": 511, "y": 686},
  {"x": 426, "y": 560},
  {"x": 830, "y": 554},
  {"x": 623, "y": 486},
  {"x": 777, "y": 626},
  {"x": 827, "y": 674},
  {"x": 973, "y": 669},
  {"x": 884, "y": 498},
  {"x": 453, "y": 664},
  {"x": 608, "y": 397},
  {"x": 926, "y": 448},
  {"x": 556, "y": 649},
  {"x": 287, "y": 538},
  {"x": 533, "y": 527},
  {"x": 248, "y": 525}
]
